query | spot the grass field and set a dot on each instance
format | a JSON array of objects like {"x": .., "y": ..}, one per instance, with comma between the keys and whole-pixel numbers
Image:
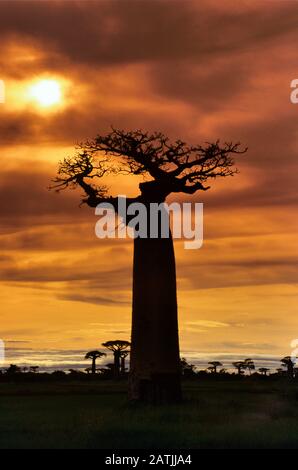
[{"x": 242, "y": 414}]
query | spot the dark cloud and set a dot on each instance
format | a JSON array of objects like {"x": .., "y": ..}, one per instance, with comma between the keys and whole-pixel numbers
[
  {"x": 57, "y": 237},
  {"x": 96, "y": 300},
  {"x": 80, "y": 122},
  {"x": 87, "y": 278},
  {"x": 207, "y": 86},
  {"x": 65, "y": 271},
  {"x": 25, "y": 199},
  {"x": 11, "y": 341},
  {"x": 275, "y": 187},
  {"x": 223, "y": 275},
  {"x": 115, "y": 31},
  {"x": 17, "y": 331}
]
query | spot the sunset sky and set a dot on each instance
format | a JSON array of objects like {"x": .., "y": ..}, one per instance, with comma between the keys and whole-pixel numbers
[{"x": 195, "y": 70}]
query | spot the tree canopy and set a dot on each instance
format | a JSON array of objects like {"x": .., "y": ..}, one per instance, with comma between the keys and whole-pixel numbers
[{"x": 173, "y": 167}]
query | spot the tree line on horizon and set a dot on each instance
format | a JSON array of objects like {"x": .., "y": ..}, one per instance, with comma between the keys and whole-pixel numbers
[
  {"x": 216, "y": 368},
  {"x": 120, "y": 350}
]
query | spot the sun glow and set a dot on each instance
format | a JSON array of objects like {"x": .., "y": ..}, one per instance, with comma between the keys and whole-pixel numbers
[{"x": 46, "y": 93}]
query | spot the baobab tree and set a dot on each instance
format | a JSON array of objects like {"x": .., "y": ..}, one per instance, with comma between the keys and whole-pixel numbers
[
  {"x": 94, "y": 355},
  {"x": 264, "y": 370},
  {"x": 289, "y": 364},
  {"x": 13, "y": 369},
  {"x": 123, "y": 356},
  {"x": 240, "y": 366},
  {"x": 187, "y": 369},
  {"x": 249, "y": 365},
  {"x": 167, "y": 167},
  {"x": 214, "y": 365},
  {"x": 118, "y": 347}
]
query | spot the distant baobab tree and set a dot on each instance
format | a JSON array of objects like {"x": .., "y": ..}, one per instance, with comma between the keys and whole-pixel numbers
[
  {"x": 167, "y": 167},
  {"x": 249, "y": 365},
  {"x": 289, "y": 364},
  {"x": 123, "y": 356},
  {"x": 13, "y": 369},
  {"x": 264, "y": 370},
  {"x": 240, "y": 366},
  {"x": 94, "y": 355},
  {"x": 109, "y": 369},
  {"x": 187, "y": 369},
  {"x": 214, "y": 366},
  {"x": 118, "y": 347}
]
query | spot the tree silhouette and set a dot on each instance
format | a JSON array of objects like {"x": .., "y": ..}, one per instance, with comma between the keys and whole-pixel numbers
[
  {"x": 108, "y": 370},
  {"x": 249, "y": 365},
  {"x": 94, "y": 355},
  {"x": 118, "y": 347},
  {"x": 289, "y": 364},
  {"x": 264, "y": 370},
  {"x": 214, "y": 365},
  {"x": 187, "y": 369},
  {"x": 13, "y": 369},
  {"x": 169, "y": 168},
  {"x": 123, "y": 356},
  {"x": 240, "y": 366}
]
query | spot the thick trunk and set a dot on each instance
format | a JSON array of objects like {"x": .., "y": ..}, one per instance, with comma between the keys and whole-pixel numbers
[
  {"x": 291, "y": 371},
  {"x": 116, "y": 364},
  {"x": 122, "y": 369},
  {"x": 93, "y": 366},
  {"x": 155, "y": 361}
]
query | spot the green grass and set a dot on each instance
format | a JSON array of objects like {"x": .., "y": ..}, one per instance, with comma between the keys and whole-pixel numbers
[{"x": 97, "y": 415}]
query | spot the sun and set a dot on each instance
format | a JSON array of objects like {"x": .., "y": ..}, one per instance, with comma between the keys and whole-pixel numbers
[{"x": 46, "y": 93}]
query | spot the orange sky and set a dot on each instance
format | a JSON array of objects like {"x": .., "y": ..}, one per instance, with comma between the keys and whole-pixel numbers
[{"x": 193, "y": 70}]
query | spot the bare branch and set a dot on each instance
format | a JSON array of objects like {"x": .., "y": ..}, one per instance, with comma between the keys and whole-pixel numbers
[{"x": 174, "y": 167}]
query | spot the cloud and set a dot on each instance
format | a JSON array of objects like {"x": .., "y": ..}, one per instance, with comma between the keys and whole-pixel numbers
[
  {"x": 101, "y": 31},
  {"x": 96, "y": 300},
  {"x": 25, "y": 199},
  {"x": 65, "y": 272},
  {"x": 11, "y": 341},
  {"x": 205, "y": 324}
]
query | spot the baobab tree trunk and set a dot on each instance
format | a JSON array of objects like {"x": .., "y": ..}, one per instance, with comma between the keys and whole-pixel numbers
[
  {"x": 116, "y": 364},
  {"x": 155, "y": 359},
  {"x": 122, "y": 368},
  {"x": 93, "y": 366}
]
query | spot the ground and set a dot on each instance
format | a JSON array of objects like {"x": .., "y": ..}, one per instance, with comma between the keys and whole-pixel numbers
[{"x": 215, "y": 414}]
